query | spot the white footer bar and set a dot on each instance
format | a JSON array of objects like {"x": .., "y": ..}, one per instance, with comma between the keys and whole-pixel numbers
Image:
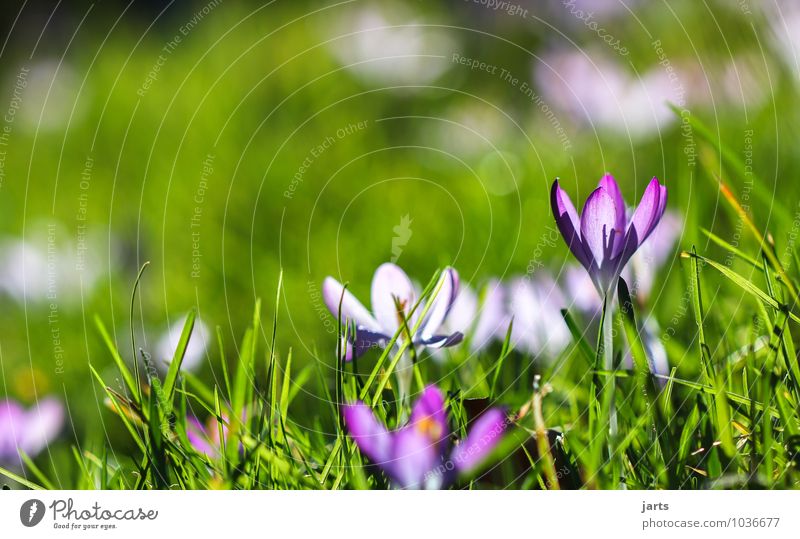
[{"x": 396, "y": 514}]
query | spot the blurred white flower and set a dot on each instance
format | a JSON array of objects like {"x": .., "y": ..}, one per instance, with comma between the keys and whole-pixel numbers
[
  {"x": 480, "y": 322},
  {"x": 43, "y": 268},
  {"x": 195, "y": 348},
  {"x": 388, "y": 45},
  {"x": 535, "y": 305},
  {"x": 601, "y": 93},
  {"x": 784, "y": 21},
  {"x": 49, "y": 97}
]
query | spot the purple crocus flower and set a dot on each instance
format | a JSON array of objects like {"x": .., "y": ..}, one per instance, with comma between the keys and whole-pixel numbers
[
  {"x": 391, "y": 288},
  {"x": 417, "y": 455},
  {"x": 28, "y": 431},
  {"x": 603, "y": 239},
  {"x": 639, "y": 273},
  {"x": 205, "y": 438}
]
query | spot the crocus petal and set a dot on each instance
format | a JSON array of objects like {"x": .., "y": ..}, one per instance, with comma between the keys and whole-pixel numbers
[
  {"x": 482, "y": 438},
  {"x": 645, "y": 217},
  {"x": 567, "y": 222},
  {"x": 524, "y": 308},
  {"x": 653, "y": 253},
  {"x": 414, "y": 459},
  {"x": 391, "y": 284},
  {"x": 369, "y": 434},
  {"x": 43, "y": 423},
  {"x": 12, "y": 420},
  {"x": 197, "y": 437},
  {"x": 661, "y": 242},
  {"x": 492, "y": 322},
  {"x": 445, "y": 292},
  {"x": 352, "y": 309},
  {"x": 365, "y": 339},
  {"x": 463, "y": 312},
  {"x": 608, "y": 183},
  {"x": 428, "y": 416},
  {"x": 598, "y": 226},
  {"x": 442, "y": 341}
]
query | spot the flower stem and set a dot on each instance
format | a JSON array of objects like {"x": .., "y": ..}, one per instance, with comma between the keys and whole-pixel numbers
[
  {"x": 609, "y": 389},
  {"x": 405, "y": 375}
]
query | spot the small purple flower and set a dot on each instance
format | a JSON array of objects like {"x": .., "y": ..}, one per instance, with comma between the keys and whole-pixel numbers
[
  {"x": 204, "y": 438},
  {"x": 28, "y": 431},
  {"x": 393, "y": 290},
  {"x": 604, "y": 239},
  {"x": 417, "y": 455}
]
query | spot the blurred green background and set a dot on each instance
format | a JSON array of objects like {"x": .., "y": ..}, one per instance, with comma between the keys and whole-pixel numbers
[{"x": 224, "y": 141}]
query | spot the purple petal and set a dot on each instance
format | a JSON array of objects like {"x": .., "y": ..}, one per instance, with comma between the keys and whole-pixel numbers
[
  {"x": 482, "y": 438},
  {"x": 568, "y": 223},
  {"x": 445, "y": 291},
  {"x": 413, "y": 460},
  {"x": 463, "y": 312},
  {"x": 493, "y": 320},
  {"x": 196, "y": 434},
  {"x": 12, "y": 421},
  {"x": 653, "y": 253},
  {"x": 364, "y": 339},
  {"x": 523, "y": 306},
  {"x": 428, "y": 415},
  {"x": 663, "y": 238},
  {"x": 646, "y": 217},
  {"x": 352, "y": 309},
  {"x": 442, "y": 341},
  {"x": 598, "y": 221},
  {"x": 367, "y": 432},
  {"x": 391, "y": 284},
  {"x": 43, "y": 422},
  {"x": 608, "y": 183}
]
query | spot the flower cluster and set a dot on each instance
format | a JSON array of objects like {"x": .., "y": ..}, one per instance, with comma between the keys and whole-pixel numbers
[{"x": 604, "y": 238}]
